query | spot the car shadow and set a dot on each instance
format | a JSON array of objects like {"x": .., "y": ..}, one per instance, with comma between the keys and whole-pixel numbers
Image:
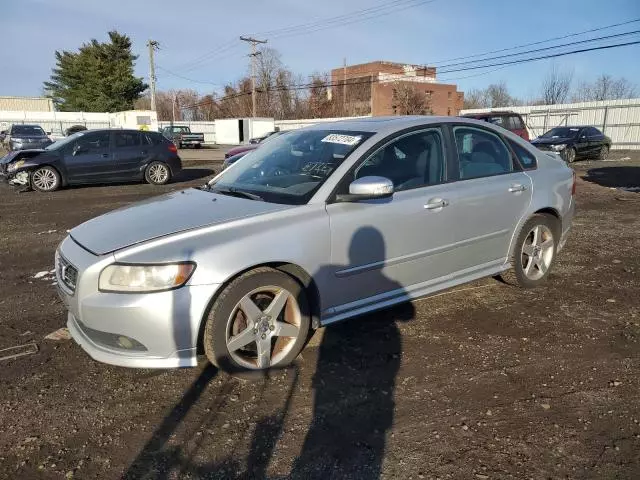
[
  {"x": 353, "y": 386},
  {"x": 190, "y": 174},
  {"x": 626, "y": 177}
]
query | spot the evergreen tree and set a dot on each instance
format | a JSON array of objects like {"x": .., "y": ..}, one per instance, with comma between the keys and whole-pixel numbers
[{"x": 98, "y": 78}]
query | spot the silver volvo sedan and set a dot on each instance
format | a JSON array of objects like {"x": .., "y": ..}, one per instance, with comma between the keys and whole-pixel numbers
[{"x": 320, "y": 225}]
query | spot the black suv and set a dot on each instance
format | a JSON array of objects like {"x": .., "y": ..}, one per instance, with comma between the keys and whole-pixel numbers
[
  {"x": 19, "y": 137},
  {"x": 94, "y": 156}
]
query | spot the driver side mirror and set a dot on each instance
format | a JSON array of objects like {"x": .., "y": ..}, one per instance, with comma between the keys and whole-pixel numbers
[{"x": 367, "y": 188}]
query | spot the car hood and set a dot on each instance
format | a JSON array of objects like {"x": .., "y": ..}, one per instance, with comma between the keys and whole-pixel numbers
[
  {"x": 29, "y": 137},
  {"x": 552, "y": 141},
  {"x": 242, "y": 148},
  {"x": 27, "y": 153},
  {"x": 160, "y": 216}
]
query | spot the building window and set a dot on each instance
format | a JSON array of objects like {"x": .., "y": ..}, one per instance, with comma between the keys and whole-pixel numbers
[
  {"x": 449, "y": 111},
  {"x": 449, "y": 95}
]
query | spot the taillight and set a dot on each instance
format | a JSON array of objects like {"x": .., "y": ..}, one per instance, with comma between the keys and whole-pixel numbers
[
  {"x": 573, "y": 187},
  {"x": 173, "y": 148}
]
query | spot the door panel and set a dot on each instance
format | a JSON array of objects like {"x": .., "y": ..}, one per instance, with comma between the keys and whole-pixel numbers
[
  {"x": 89, "y": 159},
  {"x": 582, "y": 143},
  {"x": 384, "y": 246},
  {"x": 128, "y": 153}
]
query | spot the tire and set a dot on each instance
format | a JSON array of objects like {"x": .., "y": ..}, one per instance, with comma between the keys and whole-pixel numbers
[
  {"x": 157, "y": 173},
  {"x": 570, "y": 155},
  {"x": 45, "y": 179},
  {"x": 234, "y": 342},
  {"x": 604, "y": 151},
  {"x": 521, "y": 273}
]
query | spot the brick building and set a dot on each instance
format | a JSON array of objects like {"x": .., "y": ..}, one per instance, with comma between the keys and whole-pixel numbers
[{"x": 374, "y": 88}]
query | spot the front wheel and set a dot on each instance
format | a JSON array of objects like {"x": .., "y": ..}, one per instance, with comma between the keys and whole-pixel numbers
[
  {"x": 534, "y": 252},
  {"x": 45, "y": 179},
  {"x": 570, "y": 154},
  {"x": 157, "y": 173},
  {"x": 260, "y": 320}
]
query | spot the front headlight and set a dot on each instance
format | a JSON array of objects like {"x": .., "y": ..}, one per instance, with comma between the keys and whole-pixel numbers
[
  {"x": 558, "y": 148},
  {"x": 144, "y": 278},
  {"x": 15, "y": 165}
]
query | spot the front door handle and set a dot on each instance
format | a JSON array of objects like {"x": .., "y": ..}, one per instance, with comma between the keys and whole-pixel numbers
[
  {"x": 517, "y": 188},
  {"x": 105, "y": 155},
  {"x": 436, "y": 203}
]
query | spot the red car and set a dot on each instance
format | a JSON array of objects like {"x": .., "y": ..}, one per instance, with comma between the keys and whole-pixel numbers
[
  {"x": 252, "y": 146},
  {"x": 512, "y": 121}
]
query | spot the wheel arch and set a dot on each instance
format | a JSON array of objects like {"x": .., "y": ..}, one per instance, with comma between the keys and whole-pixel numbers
[
  {"x": 33, "y": 168},
  {"x": 293, "y": 270}
]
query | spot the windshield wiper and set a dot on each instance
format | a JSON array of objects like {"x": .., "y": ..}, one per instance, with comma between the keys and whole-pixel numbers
[{"x": 234, "y": 192}]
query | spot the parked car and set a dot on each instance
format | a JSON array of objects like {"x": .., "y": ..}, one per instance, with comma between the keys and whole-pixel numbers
[
  {"x": 326, "y": 223},
  {"x": 251, "y": 146},
  {"x": 94, "y": 156},
  {"x": 511, "y": 121},
  {"x": 182, "y": 136},
  {"x": 573, "y": 143},
  {"x": 20, "y": 137}
]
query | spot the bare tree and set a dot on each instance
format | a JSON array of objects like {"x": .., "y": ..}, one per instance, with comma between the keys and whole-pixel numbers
[
  {"x": 498, "y": 95},
  {"x": 476, "y": 98},
  {"x": 407, "y": 100},
  {"x": 605, "y": 87},
  {"x": 556, "y": 86}
]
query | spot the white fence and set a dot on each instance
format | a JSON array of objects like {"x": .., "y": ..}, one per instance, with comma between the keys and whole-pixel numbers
[{"x": 618, "y": 119}]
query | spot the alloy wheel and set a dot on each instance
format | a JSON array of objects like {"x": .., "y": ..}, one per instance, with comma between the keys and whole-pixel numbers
[
  {"x": 158, "y": 173},
  {"x": 44, "y": 179},
  {"x": 263, "y": 327},
  {"x": 537, "y": 252}
]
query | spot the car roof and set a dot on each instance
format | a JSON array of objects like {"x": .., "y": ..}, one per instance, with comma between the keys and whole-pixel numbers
[
  {"x": 490, "y": 114},
  {"x": 383, "y": 124}
]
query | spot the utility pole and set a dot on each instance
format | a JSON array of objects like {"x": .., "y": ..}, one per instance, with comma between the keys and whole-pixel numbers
[
  {"x": 153, "y": 46},
  {"x": 253, "y": 56},
  {"x": 344, "y": 87}
]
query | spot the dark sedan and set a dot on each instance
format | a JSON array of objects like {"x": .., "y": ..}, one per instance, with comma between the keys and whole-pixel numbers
[
  {"x": 573, "y": 143},
  {"x": 94, "y": 156}
]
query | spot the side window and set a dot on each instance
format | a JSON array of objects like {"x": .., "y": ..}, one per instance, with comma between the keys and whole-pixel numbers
[
  {"x": 527, "y": 159},
  {"x": 150, "y": 139},
  {"x": 514, "y": 123},
  {"x": 481, "y": 153},
  {"x": 126, "y": 139},
  {"x": 93, "y": 142},
  {"x": 412, "y": 161},
  {"x": 593, "y": 132}
]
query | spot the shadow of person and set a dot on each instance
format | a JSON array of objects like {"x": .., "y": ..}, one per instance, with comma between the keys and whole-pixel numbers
[{"x": 355, "y": 377}]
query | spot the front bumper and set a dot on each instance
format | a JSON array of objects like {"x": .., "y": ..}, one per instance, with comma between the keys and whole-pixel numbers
[{"x": 152, "y": 330}]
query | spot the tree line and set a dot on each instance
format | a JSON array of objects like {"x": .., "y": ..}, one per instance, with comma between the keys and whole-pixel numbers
[
  {"x": 557, "y": 87},
  {"x": 99, "y": 77}
]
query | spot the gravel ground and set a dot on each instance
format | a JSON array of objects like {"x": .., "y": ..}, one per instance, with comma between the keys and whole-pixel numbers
[{"x": 485, "y": 381}]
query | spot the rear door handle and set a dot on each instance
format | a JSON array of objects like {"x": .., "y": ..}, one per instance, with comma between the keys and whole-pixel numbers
[
  {"x": 517, "y": 188},
  {"x": 436, "y": 203}
]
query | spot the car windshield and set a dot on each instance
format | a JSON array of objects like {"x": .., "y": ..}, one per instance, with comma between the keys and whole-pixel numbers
[
  {"x": 65, "y": 141},
  {"x": 27, "y": 130},
  {"x": 290, "y": 168},
  {"x": 561, "y": 132}
]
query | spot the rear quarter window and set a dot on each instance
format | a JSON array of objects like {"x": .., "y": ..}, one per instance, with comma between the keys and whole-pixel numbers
[
  {"x": 526, "y": 158},
  {"x": 515, "y": 123}
]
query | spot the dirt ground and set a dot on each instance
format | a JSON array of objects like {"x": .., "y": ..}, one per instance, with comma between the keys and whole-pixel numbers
[{"x": 486, "y": 381}]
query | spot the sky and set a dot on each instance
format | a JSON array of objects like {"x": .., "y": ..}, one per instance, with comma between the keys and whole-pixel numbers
[{"x": 199, "y": 39}]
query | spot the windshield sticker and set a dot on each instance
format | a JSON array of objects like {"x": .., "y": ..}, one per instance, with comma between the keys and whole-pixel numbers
[{"x": 342, "y": 139}]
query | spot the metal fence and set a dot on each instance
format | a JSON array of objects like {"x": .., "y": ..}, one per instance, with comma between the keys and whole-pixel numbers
[{"x": 618, "y": 119}]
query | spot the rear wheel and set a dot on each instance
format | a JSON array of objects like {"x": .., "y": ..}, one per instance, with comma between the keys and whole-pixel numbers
[
  {"x": 45, "y": 179},
  {"x": 260, "y": 320},
  {"x": 604, "y": 151},
  {"x": 534, "y": 252},
  {"x": 157, "y": 173}
]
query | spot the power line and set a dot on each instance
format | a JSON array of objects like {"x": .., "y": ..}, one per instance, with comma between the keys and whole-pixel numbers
[
  {"x": 540, "y": 41},
  {"x": 203, "y": 82}
]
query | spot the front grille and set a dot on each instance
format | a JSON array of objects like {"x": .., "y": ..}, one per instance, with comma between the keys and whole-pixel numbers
[{"x": 67, "y": 273}]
